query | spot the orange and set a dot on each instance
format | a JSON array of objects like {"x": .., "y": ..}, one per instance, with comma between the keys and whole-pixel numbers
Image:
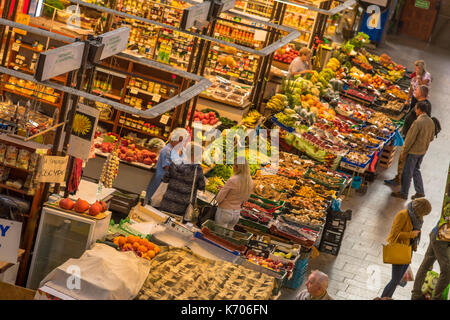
[
  {"x": 143, "y": 242},
  {"x": 128, "y": 246},
  {"x": 130, "y": 239},
  {"x": 151, "y": 254},
  {"x": 150, "y": 245},
  {"x": 142, "y": 249},
  {"x": 116, "y": 241},
  {"x": 136, "y": 245},
  {"x": 157, "y": 249},
  {"x": 122, "y": 241}
]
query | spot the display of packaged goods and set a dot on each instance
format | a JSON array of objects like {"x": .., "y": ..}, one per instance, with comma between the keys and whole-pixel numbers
[
  {"x": 326, "y": 178},
  {"x": 303, "y": 236},
  {"x": 4, "y": 173},
  {"x": 357, "y": 159},
  {"x": 23, "y": 159},
  {"x": 3, "y": 148},
  {"x": 11, "y": 156}
]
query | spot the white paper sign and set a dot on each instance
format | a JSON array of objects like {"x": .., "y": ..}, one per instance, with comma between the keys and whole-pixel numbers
[
  {"x": 156, "y": 97},
  {"x": 164, "y": 119},
  {"x": 260, "y": 35},
  {"x": 9, "y": 240},
  {"x": 53, "y": 169},
  {"x": 83, "y": 130}
]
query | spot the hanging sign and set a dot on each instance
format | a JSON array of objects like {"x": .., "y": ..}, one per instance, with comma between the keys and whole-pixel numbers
[
  {"x": 58, "y": 61},
  {"x": 9, "y": 240},
  {"x": 83, "y": 129},
  {"x": 422, "y": 4},
  {"x": 23, "y": 19},
  {"x": 115, "y": 42},
  {"x": 195, "y": 14},
  {"x": 52, "y": 169}
]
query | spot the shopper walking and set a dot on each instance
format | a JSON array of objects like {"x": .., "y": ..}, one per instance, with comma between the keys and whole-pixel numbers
[
  {"x": 180, "y": 179},
  {"x": 406, "y": 230},
  {"x": 420, "y": 77},
  {"x": 437, "y": 250},
  {"x": 301, "y": 64},
  {"x": 416, "y": 145},
  {"x": 316, "y": 287},
  {"x": 170, "y": 152},
  {"x": 233, "y": 194},
  {"x": 421, "y": 94}
]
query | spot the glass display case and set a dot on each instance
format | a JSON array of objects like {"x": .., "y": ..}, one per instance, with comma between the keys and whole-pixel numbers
[{"x": 62, "y": 236}]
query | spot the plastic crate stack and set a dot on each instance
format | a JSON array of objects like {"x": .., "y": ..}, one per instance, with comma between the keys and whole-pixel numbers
[
  {"x": 299, "y": 272},
  {"x": 333, "y": 233}
]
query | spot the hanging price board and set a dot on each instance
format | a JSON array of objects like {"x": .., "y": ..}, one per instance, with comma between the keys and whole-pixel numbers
[
  {"x": 23, "y": 19},
  {"x": 52, "y": 169}
]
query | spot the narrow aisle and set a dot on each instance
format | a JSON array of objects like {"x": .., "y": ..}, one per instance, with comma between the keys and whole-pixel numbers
[{"x": 358, "y": 271}]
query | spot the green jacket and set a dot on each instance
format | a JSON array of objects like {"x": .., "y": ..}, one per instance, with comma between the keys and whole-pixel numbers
[{"x": 419, "y": 136}]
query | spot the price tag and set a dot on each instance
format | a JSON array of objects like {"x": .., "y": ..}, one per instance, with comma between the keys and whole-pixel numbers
[
  {"x": 164, "y": 119},
  {"x": 156, "y": 97},
  {"x": 15, "y": 47},
  {"x": 134, "y": 91}
]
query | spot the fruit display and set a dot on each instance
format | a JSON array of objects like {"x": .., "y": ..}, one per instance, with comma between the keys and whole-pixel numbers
[
  {"x": 270, "y": 263},
  {"x": 286, "y": 54},
  {"x": 278, "y": 183},
  {"x": 356, "y": 157},
  {"x": 333, "y": 64},
  {"x": 381, "y": 121},
  {"x": 110, "y": 169},
  {"x": 399, "y": 93},
  {"x": 209, "y": 118},
  {"x": 251, "y": 118},
  {"x": 142, "y": 247},
  {"x": 354, "y": 111},
  {"x": 278, "y": 102},
  {"x": 256, "y": 216},
  {"x": 213, "y": 184},
  {"x": 82, "y": 206}
]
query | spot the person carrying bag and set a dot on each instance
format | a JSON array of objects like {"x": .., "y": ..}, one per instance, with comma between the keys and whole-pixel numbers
[{"x": 402, "y": 240}]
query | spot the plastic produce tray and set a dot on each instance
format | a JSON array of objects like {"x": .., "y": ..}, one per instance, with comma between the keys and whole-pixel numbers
[
  {"x": 229, "y": 247},
  {"x": 236, "y": 237},
  {"x": 279, "y": 276},
  {"x": 297, "y": 239},
  {"x": 338, "y": 186},
  {"x": 255, "y": 245},
  {"x": 254, "y": 225},
  {"x": 360, "y": 165},
  {"x": 282, "y": 126}
]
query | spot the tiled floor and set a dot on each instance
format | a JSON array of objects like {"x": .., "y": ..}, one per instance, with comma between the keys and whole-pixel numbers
[{"x": 358, "y": 272}]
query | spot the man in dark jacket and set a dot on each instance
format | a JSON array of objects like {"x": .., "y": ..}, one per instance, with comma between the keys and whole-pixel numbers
[{"x": 421, "y": 94}]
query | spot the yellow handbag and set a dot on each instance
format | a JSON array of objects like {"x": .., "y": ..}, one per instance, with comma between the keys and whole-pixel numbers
[{"x": 397, "y": 253}]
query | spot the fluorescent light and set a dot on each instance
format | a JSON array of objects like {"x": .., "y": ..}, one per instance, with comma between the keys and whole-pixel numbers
[
  {"x": 39, "y": 8},
  {"x": 293, "y": 4}
]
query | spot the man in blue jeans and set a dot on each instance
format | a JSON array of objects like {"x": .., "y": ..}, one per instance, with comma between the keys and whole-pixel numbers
[{"x": 416, "y": 145}]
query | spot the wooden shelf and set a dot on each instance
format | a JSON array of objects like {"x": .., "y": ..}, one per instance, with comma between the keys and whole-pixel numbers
[
  {"x": 28, "y": 47},
  {"x": 16, "y": 168},
  {"x": 56, "y": 105},
  {"x": 15, "y": 190},
  {"x": 106, "y": 121},
  {"x": 163, "y": 96},
  {"x": 119, "y": 127}
]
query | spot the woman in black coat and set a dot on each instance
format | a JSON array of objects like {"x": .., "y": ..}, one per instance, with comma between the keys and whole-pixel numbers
[{"x": 180, "y": 179}]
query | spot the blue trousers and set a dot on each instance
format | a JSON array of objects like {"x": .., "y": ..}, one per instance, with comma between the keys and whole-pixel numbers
[
  {"x": 411, "y": 170},
  {"x": 398, "y": 270}
]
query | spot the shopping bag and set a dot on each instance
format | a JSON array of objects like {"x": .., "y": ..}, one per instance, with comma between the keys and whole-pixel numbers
[
  {"x": 208, "y": 212},
  {"x": 397, "y": 253},
  {"x": 158, "y": 195},
  {"x": 398, "y": 139},
  {"x": 408, "y": 276}
]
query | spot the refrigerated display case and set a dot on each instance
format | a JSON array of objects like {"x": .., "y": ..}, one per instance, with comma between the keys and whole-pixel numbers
[{"x": 62, "y": 236}]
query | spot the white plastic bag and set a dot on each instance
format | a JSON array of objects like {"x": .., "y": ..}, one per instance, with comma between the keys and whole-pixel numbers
[
  {"x": 158, "y": 195},
  {"x": 101, "y": 273}
]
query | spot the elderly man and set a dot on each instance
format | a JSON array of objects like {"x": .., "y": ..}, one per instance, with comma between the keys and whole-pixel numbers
[
  {"x": 416, "y": 145},
  {"x": 316, "y": 287}
]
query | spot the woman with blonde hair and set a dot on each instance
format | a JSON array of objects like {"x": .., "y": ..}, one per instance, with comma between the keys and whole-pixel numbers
[
  {"x": 421, "y": 77},
  {"x": 301, "y": 64},
  {"x": 233, "y": 194}
]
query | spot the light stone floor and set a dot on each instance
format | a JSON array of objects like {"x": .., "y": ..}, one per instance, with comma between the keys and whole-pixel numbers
[{"x": 359, "y": 262}]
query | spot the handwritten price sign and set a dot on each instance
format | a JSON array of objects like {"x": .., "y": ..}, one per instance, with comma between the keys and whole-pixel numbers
[{"x": 53, "y": 169}]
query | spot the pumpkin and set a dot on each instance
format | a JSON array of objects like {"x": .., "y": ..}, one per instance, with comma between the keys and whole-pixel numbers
[
  {"x": 66, "y": 204},
  {"x": 81, "y": 206},
  {"x": 95, "y": 209},
  {"x": 104, "y": 206}
]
